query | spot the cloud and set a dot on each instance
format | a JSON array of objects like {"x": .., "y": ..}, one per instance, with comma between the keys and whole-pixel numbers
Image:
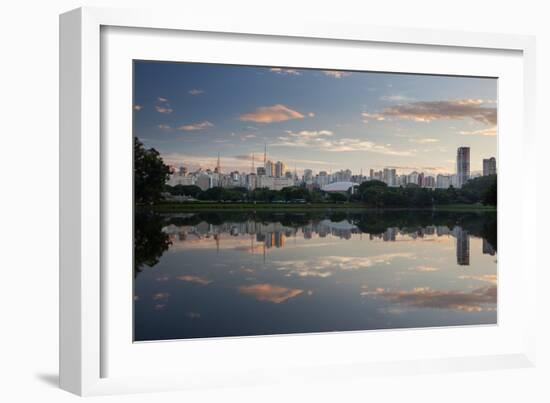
[
  {"x": 163, "y": 126},
  {"x": 193, "y": 315},
  {"x": 196, "y": 126},
  {"x": 424, "y": 269},
  {"x": 427, "y": 111},
  {"x": 162, "y": 105},
  {"x": 240, "y": 163},
  {"x": 319, "y": 140},
  {"x": 326, "y": 265},
  {"x": 426, "y": 140},
  {"x": 336, "y": 73},
  {"x": 194, "y": 279},
  {"x": 367, "y": 117},
  {"x": 270, "y": 114},
  {"x": 309, "y": 133},
  {"x": 396, "y": 98},
  {"x": 311, "y": 114},
  {"x": 161, "y": 296},
  {"x": 289, "y": 72},
  {"x": 426, "y": 297},
  {"x": 488, "y": 278},
  {"x": 490, "y": 131},
  {"x": 270, "y": 293},
  {"x": 138, "y": 107},
  {"x": 196, "y": 91}
]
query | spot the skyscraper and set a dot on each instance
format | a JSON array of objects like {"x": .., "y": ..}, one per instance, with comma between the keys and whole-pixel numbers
[
  {"x": 489, "y": 166},
  {"x": 218, "y": 168},
  {"x": 389, "y": 176},
  {"x": 280, "y": 169},
  {"x": 269, "y": 168},
  {"x": 462, "y": 165}
]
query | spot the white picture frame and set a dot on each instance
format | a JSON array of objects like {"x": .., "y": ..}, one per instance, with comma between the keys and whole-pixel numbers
[{"x": 86, "y": 305}]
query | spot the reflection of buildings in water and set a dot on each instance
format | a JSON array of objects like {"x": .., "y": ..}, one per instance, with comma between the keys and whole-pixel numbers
[
  {"x": 488, "y": 248},
  {"x": 390, "y": 234},
  {"x": 462, "y": 246},
  {"x": 275, "y": 234}
]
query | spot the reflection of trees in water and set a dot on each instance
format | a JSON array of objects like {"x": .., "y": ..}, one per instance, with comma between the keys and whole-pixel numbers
[
  {"x": 489, "y": 230},
  {"x": 480, "y": 224},
  {"x": 150, "y": 242}
]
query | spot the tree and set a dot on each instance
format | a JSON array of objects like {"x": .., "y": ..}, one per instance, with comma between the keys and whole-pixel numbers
[
  {"x": 150, "y": 174},
  {"x": 337, "y": 197},
  {"x": 186, "y": 190},
  {"x": 150, "y": 241},
  {"x": 490, "y": 195}
]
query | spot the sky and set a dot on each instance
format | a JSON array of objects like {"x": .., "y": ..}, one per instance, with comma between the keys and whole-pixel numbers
[{"x": 312, "y": 119}]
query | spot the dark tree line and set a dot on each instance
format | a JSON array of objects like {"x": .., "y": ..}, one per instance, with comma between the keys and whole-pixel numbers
[{"x": 371, "y": 193}]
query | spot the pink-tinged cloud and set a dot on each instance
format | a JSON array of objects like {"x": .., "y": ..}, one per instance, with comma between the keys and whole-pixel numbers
[
  {"x": 425, "y": 269},
  {"x": 270, "y": 293},
  {"x": 271, "y": 114},
  {"x": 138, "y": 107},
  {"x": 427, "y": 111},
  {"x": 163, "y": 126},
  {"x": 163, "y": 106},
  {"x": 488, "y": 278},
  {"x": 491, "y": 131},
  {"x": 196, "y": 126},
  {"x": 194, "y": 279},
  {"x": 196, "y": 91},
  {"x": 424, "y": 297}
]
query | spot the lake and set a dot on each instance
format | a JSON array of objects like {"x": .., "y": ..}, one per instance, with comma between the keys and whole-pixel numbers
[{"x": 222, "y": 273}]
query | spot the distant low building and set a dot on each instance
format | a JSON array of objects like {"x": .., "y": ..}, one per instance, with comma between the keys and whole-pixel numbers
[
  {"x": 443, "y": 181},
  {"x": 338, "y": 187},
  {"x": 273, "y": 183}
]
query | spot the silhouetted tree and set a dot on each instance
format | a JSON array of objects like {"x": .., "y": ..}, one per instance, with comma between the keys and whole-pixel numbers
[
  {"x": 150, "y": 174},
  {"x": 150, "y": 242}
]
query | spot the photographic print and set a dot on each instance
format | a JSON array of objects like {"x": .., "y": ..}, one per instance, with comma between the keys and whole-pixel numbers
[{"x": 283, "y": 200}]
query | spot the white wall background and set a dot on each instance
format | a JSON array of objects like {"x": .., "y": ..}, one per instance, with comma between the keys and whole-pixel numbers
[{"x": 29, "y": 201}]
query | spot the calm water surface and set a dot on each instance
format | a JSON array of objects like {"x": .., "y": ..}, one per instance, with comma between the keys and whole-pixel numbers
[{"x": 215, "y": 274}]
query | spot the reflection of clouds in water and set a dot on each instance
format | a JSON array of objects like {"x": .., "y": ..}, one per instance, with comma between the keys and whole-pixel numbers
[
  {"x": 488, "y": 278},
  {"x": 424, "y": 269},
  {"x": 194, "y": 279},
  {"x": 270, "y": 293},
  {"x": 426, "y": 297},
  {"x": 159, "y": 296},
  {"x": 324, "y": 266}
]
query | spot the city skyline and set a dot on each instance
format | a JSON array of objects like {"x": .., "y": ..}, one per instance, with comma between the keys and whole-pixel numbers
[{"x": 206, "y": 115}]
